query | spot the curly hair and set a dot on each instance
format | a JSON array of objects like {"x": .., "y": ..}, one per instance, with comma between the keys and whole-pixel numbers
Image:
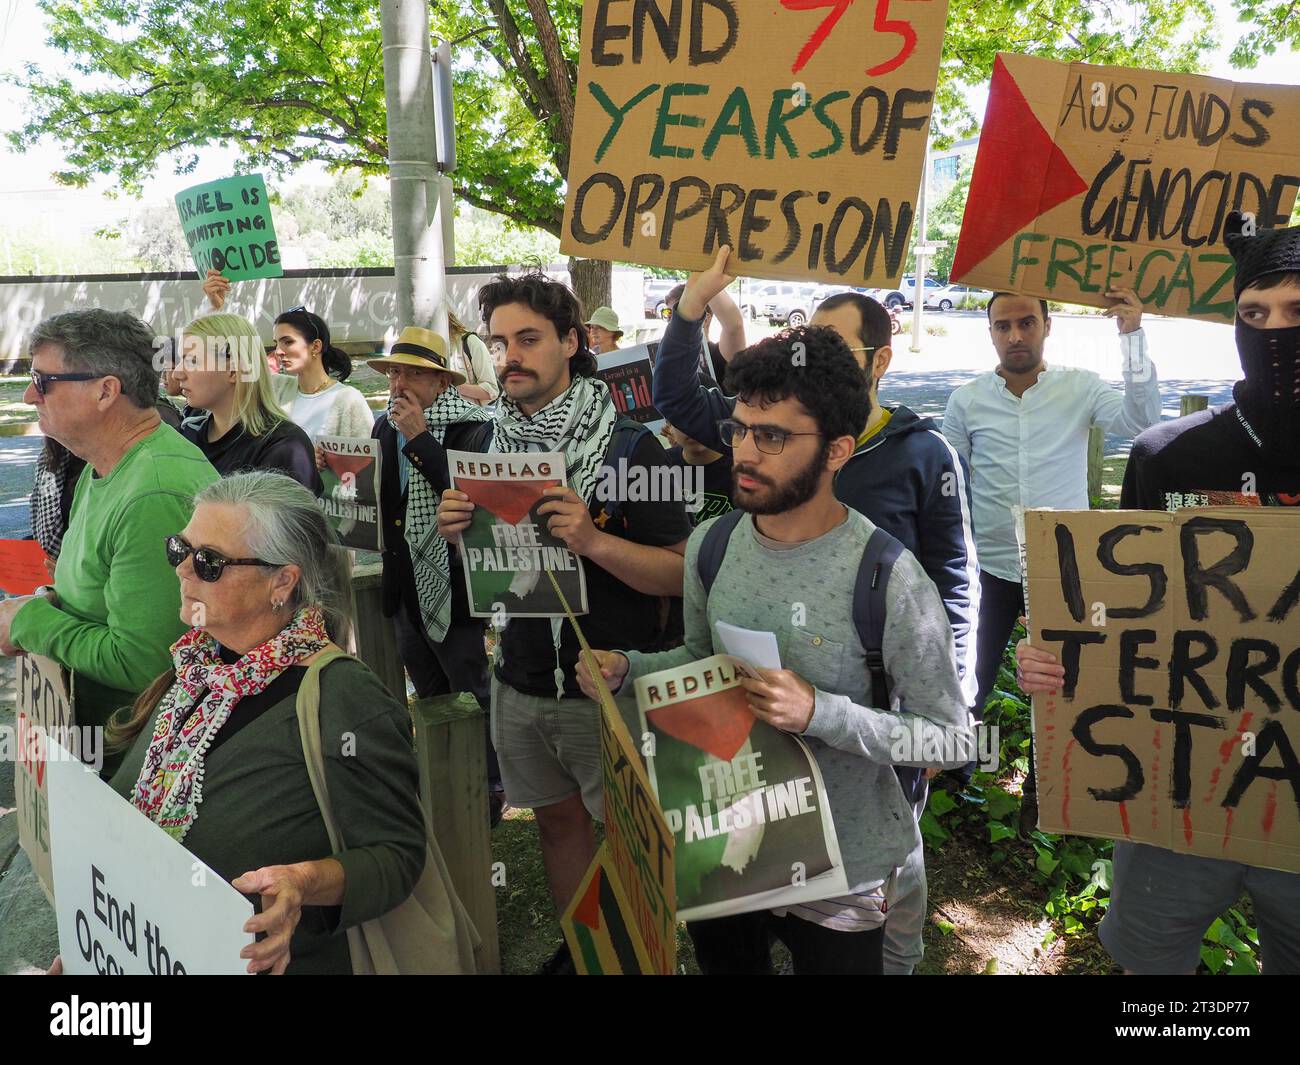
[
  {"x": 553, "y": 301},
  {"x": 813, "y": 365}
]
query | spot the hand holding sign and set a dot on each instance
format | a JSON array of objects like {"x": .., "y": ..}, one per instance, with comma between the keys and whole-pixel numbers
[
  {"x": 570, "y": 520},
  {"x": 216, "y": 287},
  {"x": 701, "y": 287},
  {"x": 455, "y": 513},
  {"x": 613, "y": 667},
  {"x": 1127, "y": 310},
  {"x": 782, "y": 698}
]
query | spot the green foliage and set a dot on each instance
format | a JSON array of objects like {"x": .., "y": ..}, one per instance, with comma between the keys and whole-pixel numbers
[{"x": 1277, "y": 24}]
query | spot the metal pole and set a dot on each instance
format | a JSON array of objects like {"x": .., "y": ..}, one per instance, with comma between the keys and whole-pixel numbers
[
  {"x": 412, "y": 165},
  {"x": 918, "y": 289}
]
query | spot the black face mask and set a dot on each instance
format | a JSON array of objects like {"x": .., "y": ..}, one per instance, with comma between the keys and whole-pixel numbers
[{"x": 1269, "y": 397}]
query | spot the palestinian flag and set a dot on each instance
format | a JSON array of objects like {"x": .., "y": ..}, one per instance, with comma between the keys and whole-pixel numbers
[{"x": 598, "y": 925}]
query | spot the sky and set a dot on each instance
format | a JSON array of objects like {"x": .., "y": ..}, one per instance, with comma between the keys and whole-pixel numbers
[{"x": 22, "y": 38}]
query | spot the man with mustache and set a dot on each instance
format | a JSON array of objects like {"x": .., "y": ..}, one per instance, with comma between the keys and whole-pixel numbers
[
  {"x": 1023, "y": 428},
  {"x": 802, "y": 402},
  {"x": 547, "y": 734}
]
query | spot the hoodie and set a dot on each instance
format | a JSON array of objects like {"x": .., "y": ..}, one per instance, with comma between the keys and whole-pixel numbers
[{"x": 907, "y": 479}]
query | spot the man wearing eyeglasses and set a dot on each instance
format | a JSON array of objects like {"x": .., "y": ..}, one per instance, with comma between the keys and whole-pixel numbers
[
  {"x": 903, "y": 475},
  {"x": 802, "y": 403},
  {"x": 114, "y": 609}
]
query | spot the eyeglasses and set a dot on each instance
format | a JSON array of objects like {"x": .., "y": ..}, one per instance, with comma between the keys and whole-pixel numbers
[
  {"x": 410, "y": 372},
  {"x": 769, "y": 441},
  {"x": 862, "y": 349},
  {"x": 41, "y": 381},
  {"x": 208, "y": 564}
]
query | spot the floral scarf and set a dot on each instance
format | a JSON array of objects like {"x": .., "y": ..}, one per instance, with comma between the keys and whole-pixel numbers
[{"x": 206, "y": 691}]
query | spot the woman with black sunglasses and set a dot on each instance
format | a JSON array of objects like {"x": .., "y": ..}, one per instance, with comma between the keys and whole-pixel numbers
[{"x": 213, "y": 748}]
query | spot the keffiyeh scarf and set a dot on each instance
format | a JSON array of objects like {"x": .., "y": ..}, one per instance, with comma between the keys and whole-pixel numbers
[
  {"x": 170, "y": 785},
  {"x": 47, "y": 499},
  {"x": 429, "y": 557}
]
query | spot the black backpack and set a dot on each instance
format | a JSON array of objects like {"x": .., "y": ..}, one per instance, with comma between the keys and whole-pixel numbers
[{"x": 869, "y": 609}]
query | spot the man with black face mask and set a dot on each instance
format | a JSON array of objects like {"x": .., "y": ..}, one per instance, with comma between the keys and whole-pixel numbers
[{"x": 1246, "y": 452}]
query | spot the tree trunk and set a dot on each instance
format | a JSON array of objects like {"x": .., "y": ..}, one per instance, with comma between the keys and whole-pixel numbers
[{"x": 592, "y": 281}]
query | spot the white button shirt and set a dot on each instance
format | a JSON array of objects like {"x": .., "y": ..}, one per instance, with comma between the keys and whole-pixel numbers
[{"x": 1032, "y": 450}]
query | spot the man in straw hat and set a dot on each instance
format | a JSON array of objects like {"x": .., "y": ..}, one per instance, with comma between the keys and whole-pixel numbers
[
  {"x": 604, "y": 330},
  {"x": 547, "y": 732},
  {"x": 1246, "y": 452},
  {"x": 440, "y": 645}
]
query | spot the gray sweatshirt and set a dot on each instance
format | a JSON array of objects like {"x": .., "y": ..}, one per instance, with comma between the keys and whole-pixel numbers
[{"x": 854, "y": 743}]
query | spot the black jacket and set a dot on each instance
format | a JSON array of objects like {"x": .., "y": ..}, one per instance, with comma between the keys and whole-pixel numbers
[{"x": 429, "y": 460}]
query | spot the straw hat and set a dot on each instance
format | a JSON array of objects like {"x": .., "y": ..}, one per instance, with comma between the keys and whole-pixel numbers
[{"x": 421, "y": 348}]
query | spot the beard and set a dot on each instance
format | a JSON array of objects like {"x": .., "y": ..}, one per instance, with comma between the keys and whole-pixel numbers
[{"x": 770, "y": 498}]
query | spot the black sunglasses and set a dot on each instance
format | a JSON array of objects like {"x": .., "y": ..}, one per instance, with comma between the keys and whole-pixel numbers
[
  {"x": 300, "y": 309},
  {"x": 208, "y": 564},
  {"x": 41, "y": 381}
]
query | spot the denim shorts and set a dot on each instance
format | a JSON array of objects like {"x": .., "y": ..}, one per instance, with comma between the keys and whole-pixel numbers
[{"x": 1162, "y": 903}]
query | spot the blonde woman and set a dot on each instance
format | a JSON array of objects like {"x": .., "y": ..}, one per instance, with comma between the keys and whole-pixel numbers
[
  {"x": 223, "y": 374},
  {"x": 470, "y": 356}
]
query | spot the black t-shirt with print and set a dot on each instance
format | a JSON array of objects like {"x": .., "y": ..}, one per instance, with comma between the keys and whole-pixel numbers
[
  {"x": 717, "y": 485},
  {"x": 1205, "y": 460},
  {"x": 618, "y": 617}
]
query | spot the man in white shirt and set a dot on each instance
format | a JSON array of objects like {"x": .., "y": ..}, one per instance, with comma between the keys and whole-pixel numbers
[{"x": 1024, "y": 430}]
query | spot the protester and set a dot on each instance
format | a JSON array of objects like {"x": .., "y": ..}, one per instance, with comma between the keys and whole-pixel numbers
[
  {"x": 904, "y": 477},
  {"x": 307, "y": 370},
  {"x": 472, "y": 360},
  {"x": 223, "y": 373},
  {"x": 440, "y": 645},
  {"x": 604, "y": 330},
  {"x": 112, "y": 612},
  {"x": 322, "y": 404},
  {"x": 1162, "y": 902},
  {"x": 55, "y": 483},
  {"x": 714, "y": 355},
  {"x": 213, "y": 752},
  {"x": 802, "y": 403},
  {"x": 1023, "y": 428},
  {"x": 548, "y": 734},
  {"x": 714, "y": 473}
]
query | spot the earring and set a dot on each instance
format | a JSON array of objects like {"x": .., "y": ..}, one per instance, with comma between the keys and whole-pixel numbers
[{"x": 277, "y": 604}]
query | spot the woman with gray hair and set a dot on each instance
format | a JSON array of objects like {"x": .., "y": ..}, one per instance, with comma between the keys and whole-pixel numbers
[{"x": 215, "y": 756}]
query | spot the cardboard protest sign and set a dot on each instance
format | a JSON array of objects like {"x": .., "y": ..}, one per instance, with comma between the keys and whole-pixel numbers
[
  {"x": 228, "y": 227},
  {"x": 751, "y": 823},
  {"x": 1091, "y": 177},
  {"x": 131, "y": 900},
  {"x": 1177, "y": 721},
  {"x": 793, "y": 132},
  {"x": 45, "y": 718},
  {"x": 508, "y": 549},
  {"x": 629, "y": 373},
  {"x": 22, "y": 566},
  {"x": 599, "y": 925},
  {"x": 351, "y": 497}
]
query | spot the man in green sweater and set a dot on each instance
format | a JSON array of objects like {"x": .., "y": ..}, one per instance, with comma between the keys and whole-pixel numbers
[{"x": 114, "y": 609}]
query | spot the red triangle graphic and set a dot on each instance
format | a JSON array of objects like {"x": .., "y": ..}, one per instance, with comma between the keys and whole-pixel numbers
[
  {"x": 588, "y": 910},
  {"x": 1020, "y": 173},
  {"x": 718, "y": 723},
  {"x": 508, "y": 500}
]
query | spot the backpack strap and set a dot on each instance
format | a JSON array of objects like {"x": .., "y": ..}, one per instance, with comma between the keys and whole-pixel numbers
[
  {"x": 623, "y": 442},
  {"x": 481, "y": 438},
  {"x": 869, "y": 608},
  {"x": 469, "y": 359},
  {"x": 713, "y": 548}
]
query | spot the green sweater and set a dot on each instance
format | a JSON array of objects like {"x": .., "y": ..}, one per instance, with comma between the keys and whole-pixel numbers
[
  {"x": 119, "y": 600},
  {"x": 258, "y": 807}
]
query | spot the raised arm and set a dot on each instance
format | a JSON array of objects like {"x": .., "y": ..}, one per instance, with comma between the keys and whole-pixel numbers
[{"x": 1127, "y": 413}]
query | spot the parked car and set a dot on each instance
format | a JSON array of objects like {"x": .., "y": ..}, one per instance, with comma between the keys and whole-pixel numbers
[
  {"x": 892, "y": 298},
  {"x": 754, "y": 297},
  {"x": 654, "y": 290},
  {"x": 908, "y": 288},
  {"x": 791, "y": 304},
  {"x": 958, "y": 296}
]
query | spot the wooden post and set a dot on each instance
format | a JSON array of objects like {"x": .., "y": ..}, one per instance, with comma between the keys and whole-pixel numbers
[
  {"x": 372, "y": 636},
  {"x": 1191, "y": 404},
  {"x": 1096, "y": 452},
  {"x": 453, "y": 788}
]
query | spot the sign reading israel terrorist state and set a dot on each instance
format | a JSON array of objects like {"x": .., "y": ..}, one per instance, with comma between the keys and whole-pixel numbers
[
  {"x": 794, "y": 132},
  {"x": 1178, "y": 721},
  {"x": 1090, "y": 177}
]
